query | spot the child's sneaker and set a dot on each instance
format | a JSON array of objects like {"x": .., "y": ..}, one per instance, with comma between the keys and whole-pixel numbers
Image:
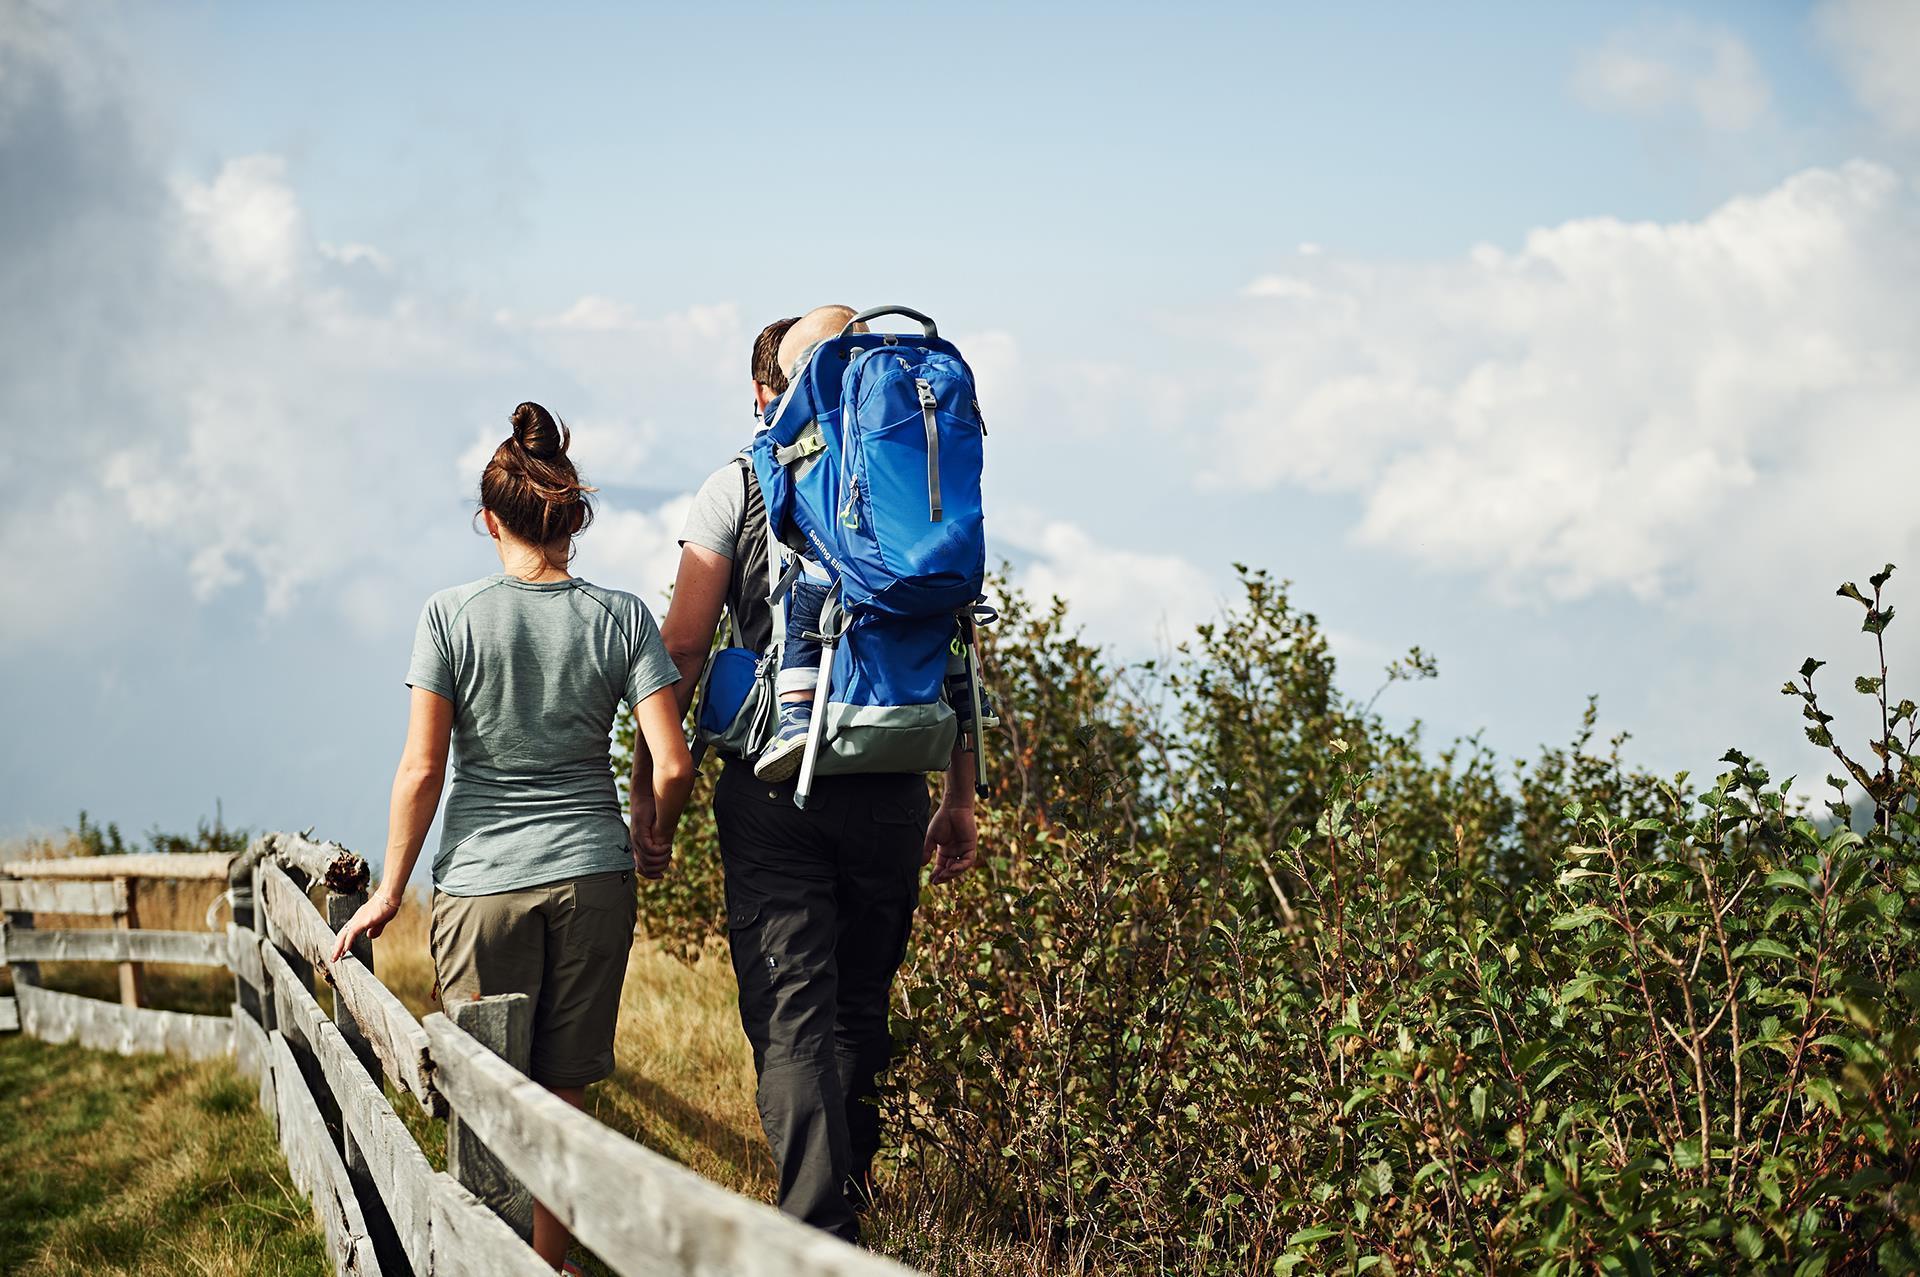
[
  {"x": 781, "y": 758},
  {"x": 960, "y": 696}
]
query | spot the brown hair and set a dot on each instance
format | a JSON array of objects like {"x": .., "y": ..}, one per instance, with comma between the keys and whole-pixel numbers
[
  {"x": 766, "y": 350},
  {"x": 531, "y": 485}
]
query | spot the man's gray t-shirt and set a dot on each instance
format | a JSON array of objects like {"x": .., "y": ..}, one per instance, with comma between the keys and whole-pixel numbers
[
  {"x": 536, "y": 673},
  {"x": 718, "y": 522}
]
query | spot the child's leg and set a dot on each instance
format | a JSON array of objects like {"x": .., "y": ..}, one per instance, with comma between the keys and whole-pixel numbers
[
  {"x": 799, "y": 676},
  {"x": 800, "y": 655}
]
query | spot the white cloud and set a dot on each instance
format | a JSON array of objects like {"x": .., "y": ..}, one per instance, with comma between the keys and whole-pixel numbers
[
  {"x": 1284, "y": 287},
  {"x": 635, "y": 550},
  {"x": 1614, "y": 406},
  {"x": 1136, "y": 600},
  {"x": 1878, "y": 46},
  {"x": 1679, "y": 65},
  {"x": 249, "y": 222},
  {"x": 244, "y": 407}
]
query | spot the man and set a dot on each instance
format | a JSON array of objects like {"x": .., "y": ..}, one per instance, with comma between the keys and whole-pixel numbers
[{"x": 819, "y": 901}]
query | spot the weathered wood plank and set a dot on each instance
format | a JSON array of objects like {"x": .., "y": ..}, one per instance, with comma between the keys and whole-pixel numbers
[
  {"x": 93, "y": 899},
  {"x": 107, "y": 1026},
  {"x": 9, "y": 1016},
  {"x": 327, "y": 863},
  {"x": 194, "y": 948},
  {"x": 395, "y": 1036},
  {"x": 471, "y": 1241},
  {"x": 400, "y": 1172},
  {"x": 210, "y": 866},
  {"x": 638, "y": 1211},
  {"x": 316, "y": 1167}
]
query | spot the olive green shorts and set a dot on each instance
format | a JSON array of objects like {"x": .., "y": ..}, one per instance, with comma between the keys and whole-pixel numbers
[{"x": 564, "y": 945}]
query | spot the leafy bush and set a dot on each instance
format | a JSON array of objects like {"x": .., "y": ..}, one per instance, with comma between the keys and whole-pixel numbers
[{"x": 1253, "y": 983}]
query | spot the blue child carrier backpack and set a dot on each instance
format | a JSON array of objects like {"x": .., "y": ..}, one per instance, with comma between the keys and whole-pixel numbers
[{"x": 872, "y": 463}]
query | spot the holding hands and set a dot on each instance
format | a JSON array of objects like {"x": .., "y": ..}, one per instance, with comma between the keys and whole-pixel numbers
[{"x": 652, "y": 844}]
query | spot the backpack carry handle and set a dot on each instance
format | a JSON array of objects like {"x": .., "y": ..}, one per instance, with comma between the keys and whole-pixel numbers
[{"x": 926, "y": 325}]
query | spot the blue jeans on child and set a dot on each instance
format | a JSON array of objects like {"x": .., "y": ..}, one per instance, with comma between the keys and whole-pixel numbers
[{"x": 800, "y": 655}]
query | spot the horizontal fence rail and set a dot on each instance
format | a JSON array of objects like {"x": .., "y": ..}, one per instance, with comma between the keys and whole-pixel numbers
[
  {"x": 381, "y": 1206},
  {"x": 184, "y": 866}
]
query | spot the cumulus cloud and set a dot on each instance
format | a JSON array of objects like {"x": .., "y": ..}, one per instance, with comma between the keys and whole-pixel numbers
[
  {"x": 214, "y": 397},
  {"x": 1878, "y": 46},
  {"x": 1137, "y": 600},
  {"x": 1614, "y": 405},
  {"x": 1708, "y": 72}
]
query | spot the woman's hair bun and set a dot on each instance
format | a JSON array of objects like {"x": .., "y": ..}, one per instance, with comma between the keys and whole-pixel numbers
[
  {"x": 530, "y": 482},
  {"x": 539, "y": 434}
]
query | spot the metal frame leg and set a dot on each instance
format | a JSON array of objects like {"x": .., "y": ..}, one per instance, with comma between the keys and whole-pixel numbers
[{"x": 816, "y": 730}]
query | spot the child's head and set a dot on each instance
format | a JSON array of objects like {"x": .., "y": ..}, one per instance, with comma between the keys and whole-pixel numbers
[{"x": 822, "y": 323}]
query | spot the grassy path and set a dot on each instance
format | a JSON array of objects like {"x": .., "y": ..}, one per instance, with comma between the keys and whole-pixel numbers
[{"x": 146, "y": 1165}]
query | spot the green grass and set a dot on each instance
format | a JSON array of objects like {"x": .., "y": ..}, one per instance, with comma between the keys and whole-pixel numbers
[{"x": 147, "y": 1165}]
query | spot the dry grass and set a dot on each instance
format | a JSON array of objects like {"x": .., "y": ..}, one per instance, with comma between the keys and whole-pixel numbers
[{"x": 684, "y": 1083}]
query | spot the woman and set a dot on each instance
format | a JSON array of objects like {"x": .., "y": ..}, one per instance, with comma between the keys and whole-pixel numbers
[{"x": 524, "y": 671}]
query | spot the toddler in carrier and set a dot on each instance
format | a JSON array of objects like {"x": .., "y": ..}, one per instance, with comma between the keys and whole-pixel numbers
[{"x": 800, "y": 675}]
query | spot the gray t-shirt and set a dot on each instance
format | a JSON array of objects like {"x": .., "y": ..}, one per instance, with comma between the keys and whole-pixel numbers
[
  {"x": 536, "y": 674},
  {"x": 718, "y": 520}
]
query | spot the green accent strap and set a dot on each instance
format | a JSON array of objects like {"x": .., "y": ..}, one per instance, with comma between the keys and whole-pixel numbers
[{"x": 809, "y": 442}]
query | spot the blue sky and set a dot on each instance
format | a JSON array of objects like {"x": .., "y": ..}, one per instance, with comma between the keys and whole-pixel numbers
[{"x": 1570, "y": 342}]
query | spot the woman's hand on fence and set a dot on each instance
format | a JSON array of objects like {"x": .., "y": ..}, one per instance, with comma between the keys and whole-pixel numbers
[
  {"x": 369, "y": 921},
  {"x": 953, "y": 843}
]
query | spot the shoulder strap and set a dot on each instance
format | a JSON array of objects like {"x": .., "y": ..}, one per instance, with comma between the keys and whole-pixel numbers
[{"x": 776, "y": 567}]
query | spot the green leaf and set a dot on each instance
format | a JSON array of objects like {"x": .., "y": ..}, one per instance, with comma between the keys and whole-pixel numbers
[
  {"x": 1821, "y": 1089},
  {"x": 1686, "y": 1155},
  {"x": 1788, "y": 878},
  {"x": 1577, "y": 988},
  {"x": 1763, "y": 948},
  {"x": 1315, "y": 1233},
  {"x": 1878, "y": 619},
  {"x": 1546, "y": 1079},
  {"x": 1808, "y": 666},
  {"x": 1851, "y": 591},
  {"x": 1749, "y": 1242},
  {"x": 1881, "y": 577}
]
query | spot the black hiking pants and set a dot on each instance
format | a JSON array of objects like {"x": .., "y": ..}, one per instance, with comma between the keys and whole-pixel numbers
[{"x": 819, "y": 905}]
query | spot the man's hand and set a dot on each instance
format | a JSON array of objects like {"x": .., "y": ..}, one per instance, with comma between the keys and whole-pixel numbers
[
  {"x": 640, "y": 830},
  {"x": 953, "y": 843},
  {"x": 653, "y": 852},
  {"x": 369, "y": 921}
]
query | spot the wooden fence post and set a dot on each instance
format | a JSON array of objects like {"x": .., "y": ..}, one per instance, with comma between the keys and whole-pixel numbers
[
  {"x": 240, "y": 905},
  {"x": 341, "y": 906},
  {"x": 126, "y": 916},
  {"x": 504, "y": 1025},
  {"x": 23, "y": 972}
]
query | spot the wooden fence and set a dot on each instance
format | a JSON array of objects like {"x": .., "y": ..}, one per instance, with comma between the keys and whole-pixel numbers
[{"x": 324, "y": 1080}]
